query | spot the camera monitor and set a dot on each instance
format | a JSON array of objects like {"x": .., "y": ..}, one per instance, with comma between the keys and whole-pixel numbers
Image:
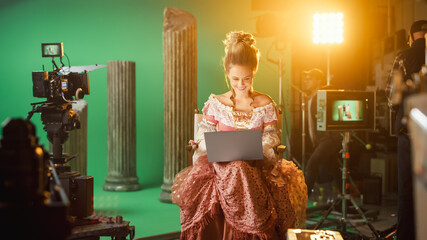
[
  {"x": 52, "y": 50},
  {"x": 345, "y": 110}
]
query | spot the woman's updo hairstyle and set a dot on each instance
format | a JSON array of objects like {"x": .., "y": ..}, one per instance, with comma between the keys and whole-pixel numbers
[{"x": 240, "y": 50}]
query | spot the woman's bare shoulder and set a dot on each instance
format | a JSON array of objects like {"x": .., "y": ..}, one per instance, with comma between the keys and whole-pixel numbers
[
  {"x": 224, "y": 98},
  {"x": 261, "y": 99}
]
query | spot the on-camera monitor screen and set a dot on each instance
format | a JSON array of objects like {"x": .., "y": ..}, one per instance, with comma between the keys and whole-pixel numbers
[
  {"x": 51, "y": 50},
  {"x": 347, "y": 110}
]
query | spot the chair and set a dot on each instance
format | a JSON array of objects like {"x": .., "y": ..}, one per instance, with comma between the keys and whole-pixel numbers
[{"x": 198, "y": 118}]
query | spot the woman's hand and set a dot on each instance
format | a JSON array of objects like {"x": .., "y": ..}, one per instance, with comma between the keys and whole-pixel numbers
[{"x": 194, "y": 145}]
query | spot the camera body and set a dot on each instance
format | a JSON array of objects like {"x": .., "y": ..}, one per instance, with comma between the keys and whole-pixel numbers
[
  {"x": 61, "y": 87},
  {"x": 53, "y": 85},
  {"x": 62, "y": 83}
]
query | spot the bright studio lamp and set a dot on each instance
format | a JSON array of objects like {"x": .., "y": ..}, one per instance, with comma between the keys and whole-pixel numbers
[{"x": 328, "y": 29}]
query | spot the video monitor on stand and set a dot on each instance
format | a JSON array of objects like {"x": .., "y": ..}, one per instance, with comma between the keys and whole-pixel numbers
[{"x": 345, "y": 111}]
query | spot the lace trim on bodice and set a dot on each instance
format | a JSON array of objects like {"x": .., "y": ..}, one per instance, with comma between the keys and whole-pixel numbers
[{"x": 239, "y": 119}]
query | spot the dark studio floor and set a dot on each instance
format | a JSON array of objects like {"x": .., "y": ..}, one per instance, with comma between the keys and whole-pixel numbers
[{"x": 382, "y": 216}]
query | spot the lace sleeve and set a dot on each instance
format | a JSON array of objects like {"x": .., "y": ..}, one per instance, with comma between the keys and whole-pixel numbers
[
  {"x": 271, "y": 134},
  {"x": 208, "y": 124},
  {"x": 270, "y": 139},
  {"x": 270, "y": 114}
]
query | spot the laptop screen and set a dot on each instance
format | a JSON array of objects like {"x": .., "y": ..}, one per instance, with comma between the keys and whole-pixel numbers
[{"x": 230, "y": 146}]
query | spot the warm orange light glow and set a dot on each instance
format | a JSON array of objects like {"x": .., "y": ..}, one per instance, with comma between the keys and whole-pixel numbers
[
  {"x": 39, "y": 151},
  {"x": 328, "y": 28}
]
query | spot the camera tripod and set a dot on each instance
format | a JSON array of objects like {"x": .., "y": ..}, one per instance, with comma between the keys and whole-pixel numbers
[
  {"x": 58, "y": 119},
  {"x": 344, "y": 195}
]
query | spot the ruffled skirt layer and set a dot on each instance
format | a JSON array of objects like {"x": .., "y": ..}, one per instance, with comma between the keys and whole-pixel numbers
[{"x": 239, "y": 200}]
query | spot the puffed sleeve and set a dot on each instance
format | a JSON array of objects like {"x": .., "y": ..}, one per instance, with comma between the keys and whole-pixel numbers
[
  {"x": 208, "y": 124},
  {"x": 210, "y": 113},
  {"x": 271, "y": 134}
]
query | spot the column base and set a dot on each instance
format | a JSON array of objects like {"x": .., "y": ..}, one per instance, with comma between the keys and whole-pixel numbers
[
  {"x": 121, "y": 184},
  {"x": 165, "y": 195}
]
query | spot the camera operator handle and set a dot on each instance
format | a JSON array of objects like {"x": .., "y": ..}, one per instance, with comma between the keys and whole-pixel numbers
[
  {"x": 71, "y": 157},
  {"x": 34, "y": 110},
  {"x": 31, "y": 113}
]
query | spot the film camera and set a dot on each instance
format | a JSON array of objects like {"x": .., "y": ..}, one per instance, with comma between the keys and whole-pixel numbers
[
  {"x": 34, "y": 184},
  {"x": 40, "y": 197},
  {"x": 62, "y": 86},
  {"x": 61, "y": 83}
]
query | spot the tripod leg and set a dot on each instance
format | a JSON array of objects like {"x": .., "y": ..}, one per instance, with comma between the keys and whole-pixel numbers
[
  {"x": 337, "y": 201},
  {"x": 354, "y": 184},
  {"x": 377, "y": 235}
]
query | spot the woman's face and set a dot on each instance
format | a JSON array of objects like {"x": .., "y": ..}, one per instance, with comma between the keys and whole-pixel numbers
[{"x": 241, "y": 78}]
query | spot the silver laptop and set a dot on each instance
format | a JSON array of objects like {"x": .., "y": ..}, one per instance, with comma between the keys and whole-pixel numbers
[{"x": 230, "y": 146}]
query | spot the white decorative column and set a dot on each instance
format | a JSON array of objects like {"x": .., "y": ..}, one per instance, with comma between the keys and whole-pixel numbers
[
  {"x": 180, "y": 91},
  {"x": 121, "y": 133}
]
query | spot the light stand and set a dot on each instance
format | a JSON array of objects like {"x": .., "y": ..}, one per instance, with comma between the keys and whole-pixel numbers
[
  {"x": 328, "y": 66},
  {"x": 303, "y": 134},
  {"x": 279, "y": 47},
  {"x": 344, "y": 195},
  {"x": 281, "y": 107}
]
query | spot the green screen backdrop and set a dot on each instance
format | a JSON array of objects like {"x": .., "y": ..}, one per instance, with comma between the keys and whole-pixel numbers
[{"x": 94, "y": 32}]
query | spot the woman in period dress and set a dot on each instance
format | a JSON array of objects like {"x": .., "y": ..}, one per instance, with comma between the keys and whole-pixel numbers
[{"x": 240, "y": 199}]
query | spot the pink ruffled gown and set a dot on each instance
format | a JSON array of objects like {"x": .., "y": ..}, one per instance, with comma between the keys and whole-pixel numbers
[{"x": 240, "y": 199}]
